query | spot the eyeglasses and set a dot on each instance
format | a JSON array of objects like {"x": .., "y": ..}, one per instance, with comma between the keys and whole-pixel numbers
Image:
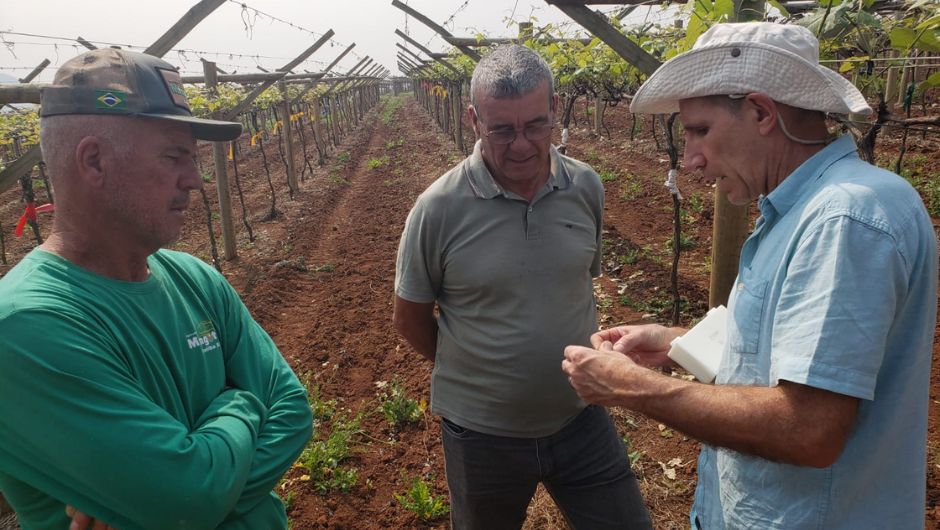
[{"x": 531, "y": 133}]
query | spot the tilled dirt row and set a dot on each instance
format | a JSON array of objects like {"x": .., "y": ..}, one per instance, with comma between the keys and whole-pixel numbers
[{"x": 332, "y": 319}]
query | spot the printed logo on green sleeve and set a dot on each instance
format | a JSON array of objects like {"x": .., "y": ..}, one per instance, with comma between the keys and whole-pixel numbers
[{"x": 204, "y": 338}]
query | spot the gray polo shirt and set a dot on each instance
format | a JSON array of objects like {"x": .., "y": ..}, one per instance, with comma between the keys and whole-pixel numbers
[{"x": 513, "y": 283}]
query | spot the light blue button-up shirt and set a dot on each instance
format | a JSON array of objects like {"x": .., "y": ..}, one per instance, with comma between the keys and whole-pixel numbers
[{"x": 837, "y": 290}]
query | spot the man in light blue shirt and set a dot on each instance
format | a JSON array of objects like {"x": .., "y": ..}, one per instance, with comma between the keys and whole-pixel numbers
[{"x": 818, "y": 418}]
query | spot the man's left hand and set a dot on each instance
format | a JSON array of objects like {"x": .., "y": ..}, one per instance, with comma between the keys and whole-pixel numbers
[{"x": 598, "y": 376}]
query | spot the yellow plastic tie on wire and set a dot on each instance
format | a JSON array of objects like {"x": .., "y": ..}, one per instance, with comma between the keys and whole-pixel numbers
[{"x": 231, "y": 156}]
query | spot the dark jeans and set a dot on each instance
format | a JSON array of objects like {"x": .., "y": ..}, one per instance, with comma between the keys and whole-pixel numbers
[{"x": 584, "y": 467}]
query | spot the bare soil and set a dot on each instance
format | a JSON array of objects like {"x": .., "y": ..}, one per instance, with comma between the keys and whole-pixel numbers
[{"x": 319, "y": 279}]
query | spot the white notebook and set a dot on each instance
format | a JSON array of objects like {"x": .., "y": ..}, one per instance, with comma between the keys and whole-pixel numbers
[{"x": 699, "y": 350}]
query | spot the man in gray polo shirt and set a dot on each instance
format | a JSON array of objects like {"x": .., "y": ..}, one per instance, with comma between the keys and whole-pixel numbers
[{"x": 506, "y": 243}]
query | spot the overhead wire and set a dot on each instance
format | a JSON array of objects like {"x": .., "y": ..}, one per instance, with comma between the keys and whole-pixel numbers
[
  {"x": 249, "y": 27},
  {"x": 181, "y": 52}
]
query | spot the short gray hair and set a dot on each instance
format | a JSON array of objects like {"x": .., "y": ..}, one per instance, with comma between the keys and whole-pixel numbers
[
  {"x": 60, "y": 135},
  {"x": 510, "y": 71}
]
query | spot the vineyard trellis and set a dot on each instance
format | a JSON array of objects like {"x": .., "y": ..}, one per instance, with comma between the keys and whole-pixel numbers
[
  {"x": 607, "y": 67},
  {"x": 298, "y": 101},
  {"x": 884, "y": 55}
]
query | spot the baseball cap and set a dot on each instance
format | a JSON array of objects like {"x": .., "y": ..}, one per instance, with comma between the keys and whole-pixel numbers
[{"x": 109, "y": 81}]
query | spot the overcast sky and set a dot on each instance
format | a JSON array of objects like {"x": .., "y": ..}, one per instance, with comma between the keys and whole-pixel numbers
[{"x": 222, "y": 37}]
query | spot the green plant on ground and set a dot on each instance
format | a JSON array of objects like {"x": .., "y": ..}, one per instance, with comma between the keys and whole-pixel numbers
[
  {"x": 393, "y": 144},
  {"x": 930, "y": 191},
  {"x": 322, "y": 409},
  {"x": 326, "y": 451},
  {"x": 635, "y": 455},
  {"x": 654, "y": 256},
  {"x": 608, "y": 175},
  {"x": 630, "y": 258},
  {"x": 929, "y": 188},
  {"x": 398, "y": 408},
  {"x": 288, "y": 499},
  {"x": 326, "y": 267},
  {"x": 695, "y": 203},
  {"x": 343, "y": 157},
  {"x": 662, "y": 305},
  {"x": 602, "y": 300},
  {"x": 422, "y": 502},
  {"x": 686, "y": 242},
  {"x": 375, "y": 163},
  {"x": 335, "y": 178},
  {"x": 631, "y": 189},
  {"x": 392, "y": 105},
  {"x": 397, "y": 175}
]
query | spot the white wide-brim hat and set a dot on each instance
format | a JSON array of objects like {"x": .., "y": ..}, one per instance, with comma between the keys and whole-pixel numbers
[{"x": 779, "y": 60}]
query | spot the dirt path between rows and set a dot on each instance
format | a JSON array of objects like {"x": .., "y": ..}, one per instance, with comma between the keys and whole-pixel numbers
[{"x": 333, "y": 321}]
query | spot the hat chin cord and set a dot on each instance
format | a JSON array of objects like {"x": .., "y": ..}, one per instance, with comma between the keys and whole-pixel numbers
[{"x": 792, "y": 138}]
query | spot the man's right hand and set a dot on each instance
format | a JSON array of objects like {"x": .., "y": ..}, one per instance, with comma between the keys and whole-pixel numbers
[
  {"x": 646, "y": 345},
  {"x": 81, "y": 521}
]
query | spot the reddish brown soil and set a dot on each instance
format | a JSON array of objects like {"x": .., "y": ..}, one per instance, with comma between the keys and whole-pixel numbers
[{"x": 319, "y": 279}]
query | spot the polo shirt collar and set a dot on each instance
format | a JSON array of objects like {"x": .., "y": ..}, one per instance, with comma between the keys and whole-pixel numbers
[
  {"x": 804, "y": 177},
  {"x": 485, "y": 187}
]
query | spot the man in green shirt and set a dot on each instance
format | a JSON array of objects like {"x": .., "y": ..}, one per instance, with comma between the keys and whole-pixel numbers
[{"x": 135, "y": 388}]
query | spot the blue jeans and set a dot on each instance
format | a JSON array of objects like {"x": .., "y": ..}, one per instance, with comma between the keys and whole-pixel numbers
[{"x": 583, "y": 466}]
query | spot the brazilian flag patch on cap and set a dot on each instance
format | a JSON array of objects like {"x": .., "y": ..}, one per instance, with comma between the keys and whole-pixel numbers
[{"x": 110, "y": 100}]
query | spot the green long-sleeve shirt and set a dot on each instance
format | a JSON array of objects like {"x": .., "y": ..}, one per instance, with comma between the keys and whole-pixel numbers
[{"x": 149, "y": 405}]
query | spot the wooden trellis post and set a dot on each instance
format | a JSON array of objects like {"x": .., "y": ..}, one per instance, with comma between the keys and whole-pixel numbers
[
  {"x": 287, "y": 131},
  {"x": 441, "y": 31},
  {"x": 731, "y": 223},
  {"x": 455, "y": 110},
  {"x": 221, "y": 177},
  {"x": 242, "y": 105},
  {"x": 317, "y": 131},
  {"x": 36, "y": 71},
  {"x": 428, "y": 52}
]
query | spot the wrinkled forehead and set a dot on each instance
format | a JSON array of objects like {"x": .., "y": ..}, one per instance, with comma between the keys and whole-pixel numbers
[
  {"x": 709, "y": 105},
  {"x": 155, "y": 133},
  {"x": 538, "y": 99}
]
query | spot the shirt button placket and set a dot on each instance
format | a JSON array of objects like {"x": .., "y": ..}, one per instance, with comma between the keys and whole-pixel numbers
[{"x": 532, "y": 229}]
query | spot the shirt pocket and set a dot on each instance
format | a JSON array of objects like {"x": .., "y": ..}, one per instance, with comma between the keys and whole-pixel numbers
[{"x": 747, "y": 308}]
